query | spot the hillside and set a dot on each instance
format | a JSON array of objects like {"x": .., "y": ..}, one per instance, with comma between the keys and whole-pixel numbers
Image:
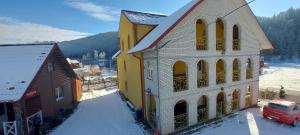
[
  {"x": 107, "y": 42},
  {"x": 284, "y": 32}
]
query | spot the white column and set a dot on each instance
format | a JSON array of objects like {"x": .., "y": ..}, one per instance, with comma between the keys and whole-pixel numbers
[
  {"x": 212, "y": 71},
  {"x": 228, "y": 71},
  {"x": 212, "y": 106},
  {"x": 192, "y": 111}
]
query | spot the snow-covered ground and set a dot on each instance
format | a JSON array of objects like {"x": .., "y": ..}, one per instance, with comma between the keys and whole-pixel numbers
[
  {"x": 285, "y": 74},
  {"x": 249, "y": 122},
  {"x": 100, "y": 113}
]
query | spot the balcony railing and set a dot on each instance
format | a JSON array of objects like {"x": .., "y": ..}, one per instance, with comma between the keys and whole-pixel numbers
[
  {"x": 201, "y": 44},
  {"x": 220, "y": 44},
  {"x": 236, "y": 44},
  {"x": 203, "y": 80},
  {"x": 220, "y": 77},
  {"x": 249, "y": 73},
  {"x": 181, "y": 121},
  {"x": 236, "y": 75},
  {"x": 180, "y": 83},
  {"x": 202, "y": 114}
]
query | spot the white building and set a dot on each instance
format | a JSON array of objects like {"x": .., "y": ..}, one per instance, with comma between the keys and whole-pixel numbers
[{"x": 201, "y": 63}]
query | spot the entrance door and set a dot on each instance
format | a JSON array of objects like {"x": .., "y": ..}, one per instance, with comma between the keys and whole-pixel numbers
[{"x": 221, "y": 106}]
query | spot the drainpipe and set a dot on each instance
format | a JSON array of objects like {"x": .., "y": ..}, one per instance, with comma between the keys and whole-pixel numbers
[{"x": 157, "y": 68}]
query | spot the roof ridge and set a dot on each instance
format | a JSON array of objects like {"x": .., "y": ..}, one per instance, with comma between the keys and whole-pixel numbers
[{"x": 142, "y": 12}]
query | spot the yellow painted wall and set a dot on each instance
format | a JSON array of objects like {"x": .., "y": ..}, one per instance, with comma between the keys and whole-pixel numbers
[{"x": 129, "y": 34}]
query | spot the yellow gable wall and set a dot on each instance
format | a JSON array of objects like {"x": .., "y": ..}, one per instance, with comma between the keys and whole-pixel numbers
[{"x": 129, "y": 34}]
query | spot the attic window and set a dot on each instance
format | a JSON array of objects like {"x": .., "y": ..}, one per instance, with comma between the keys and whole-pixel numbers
[
  {"x": 50, "y": 67},
  {"x": 43, "y": 53},
  {"x": 22, "y": 82}
]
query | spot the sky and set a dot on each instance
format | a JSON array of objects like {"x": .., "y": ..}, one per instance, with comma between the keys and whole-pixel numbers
[{"x": 24, "y": 21}]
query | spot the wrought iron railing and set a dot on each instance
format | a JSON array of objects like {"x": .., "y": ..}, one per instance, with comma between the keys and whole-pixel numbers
[
  {"x": 181, "y": 121},
  {"x": 202, "y": 114},
  {"x": 249, "y": 73},
  {"x": 180, "y": 83},
  {"x": 220, "y": 44},
  {"x": 203, "y": 80},
  {"x": 236, "y": 44},
  {"x": 220, "y": 77},
  {"x": 236, "y": 75},
  {"x": 201, "y": 44}
]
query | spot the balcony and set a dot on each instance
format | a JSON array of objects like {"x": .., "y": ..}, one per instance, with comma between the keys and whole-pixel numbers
[
  {"x": 236, "y": 75},
  {"x": 203, "y": 80},
  {"x": 201, "y": 44},
  {"x": 220, "y": 44},
  {"x": 181, "y": 121},
  {"x": 236, "y": 44},
  {"x": 202, "y": 114},
  {"x": 180, "y": 82},
  {"x": 220, "y": 77},
  {"x": 249, "y": 73}
]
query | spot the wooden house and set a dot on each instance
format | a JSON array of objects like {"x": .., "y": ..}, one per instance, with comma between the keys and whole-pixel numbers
[{"x": 36, "y": 82}]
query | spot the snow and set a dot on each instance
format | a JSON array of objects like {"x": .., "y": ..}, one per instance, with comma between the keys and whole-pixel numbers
[
  {"x": 248, "y": 122},
  {"x": 19, "y": 65},
  {"x": 285, "y": 74},
  {"x": 144, "y": 18},
  {"x": 283, "y": 102},
  {"x": 116, "y": 55},
  {"x": 162, "y": 27},
  {"x": 100, "y": 112}
]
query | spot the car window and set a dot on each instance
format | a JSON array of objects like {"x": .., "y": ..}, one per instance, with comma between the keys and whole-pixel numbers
[
  {"x": 278, "y": 107},
  {"x": 297, "y": 107}
]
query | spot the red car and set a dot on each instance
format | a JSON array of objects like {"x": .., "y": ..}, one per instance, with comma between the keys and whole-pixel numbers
[{"x": 283, "y": 111}]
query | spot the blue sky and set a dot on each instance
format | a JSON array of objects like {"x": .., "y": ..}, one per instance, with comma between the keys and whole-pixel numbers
[{"x": 79, "y": 18}]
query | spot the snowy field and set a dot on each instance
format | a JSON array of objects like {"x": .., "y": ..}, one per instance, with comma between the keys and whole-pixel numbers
[
  {"x": 285, "y": 74},
  {"x": 100, "y": 113}
]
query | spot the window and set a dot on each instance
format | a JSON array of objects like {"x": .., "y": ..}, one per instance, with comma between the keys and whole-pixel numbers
[
  {"x": 236, "y": 38},
  {"x": 149, "y": 71},
  {"x": 122, "y": 46},
  {"x": 50, "y": 67},
  {"x": 220, "y": 35},
  {"x": 129, "y": 42},
  {"x": 126, "y": 85},
  {"x": 201, "y": 43},
  {"x": 59, "y": 93},
  {"x": 124, "y": 65}
]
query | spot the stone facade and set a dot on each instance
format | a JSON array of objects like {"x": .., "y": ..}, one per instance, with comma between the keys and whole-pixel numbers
[{"x": 181, "y": 46}]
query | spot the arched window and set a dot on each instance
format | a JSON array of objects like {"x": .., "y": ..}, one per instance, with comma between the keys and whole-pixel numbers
[
  {"x": 201, "y": 35},
  {"x": 220, "y": 36},
  {"x": 236, "y": 72},
  {"x": 236, "y": 38},
  {"x": 249, "y": 69},
  {"x": 202, "y": 109},
  {"x": 202, "y": 73},
  {"x": 248, "y": 97},
  {"x": 180, "y": 80},
  {"x": 221, "y": 104},
  {"x": 180, "y": 115},
  {"x": 220, "y": 72},
  {"x": 235, "y": 101}
]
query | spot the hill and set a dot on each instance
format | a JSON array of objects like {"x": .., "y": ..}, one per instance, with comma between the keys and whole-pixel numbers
[
  {"x": 107, "y": 42},
  {"x": 284, "y": 32}
]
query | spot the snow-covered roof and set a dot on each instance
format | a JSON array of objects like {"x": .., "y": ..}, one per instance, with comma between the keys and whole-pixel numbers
[
  {"x": 70, "y": 61},
  {"x": 171, "y": 21},
  {"x": 164, "y": 27},
  {"x": 19, "y": 65},
  {"x": 116, "y": 55},
  {"x": 144, "y": 18}
]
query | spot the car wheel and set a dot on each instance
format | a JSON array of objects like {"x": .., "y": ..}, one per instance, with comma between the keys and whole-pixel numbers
[{"x": 295, "y": 123}]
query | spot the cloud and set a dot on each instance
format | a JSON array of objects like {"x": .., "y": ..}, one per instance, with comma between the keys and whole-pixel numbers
[
  {"x": 14, "y": 31},
  {"x": 103, "y": 13}
]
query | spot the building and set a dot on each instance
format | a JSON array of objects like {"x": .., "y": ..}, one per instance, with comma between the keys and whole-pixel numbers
[
  {"x": 198, "y": 64},
  {"x": 36, "y": 82}
]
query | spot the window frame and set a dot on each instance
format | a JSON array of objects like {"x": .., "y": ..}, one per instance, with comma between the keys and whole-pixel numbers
[{"x": 59, "y": 93}]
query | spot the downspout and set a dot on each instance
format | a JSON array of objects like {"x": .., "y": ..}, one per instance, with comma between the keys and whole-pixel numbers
[
  {"x": 157, "y": 67},
  {"x": 142, "y": 80}
]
